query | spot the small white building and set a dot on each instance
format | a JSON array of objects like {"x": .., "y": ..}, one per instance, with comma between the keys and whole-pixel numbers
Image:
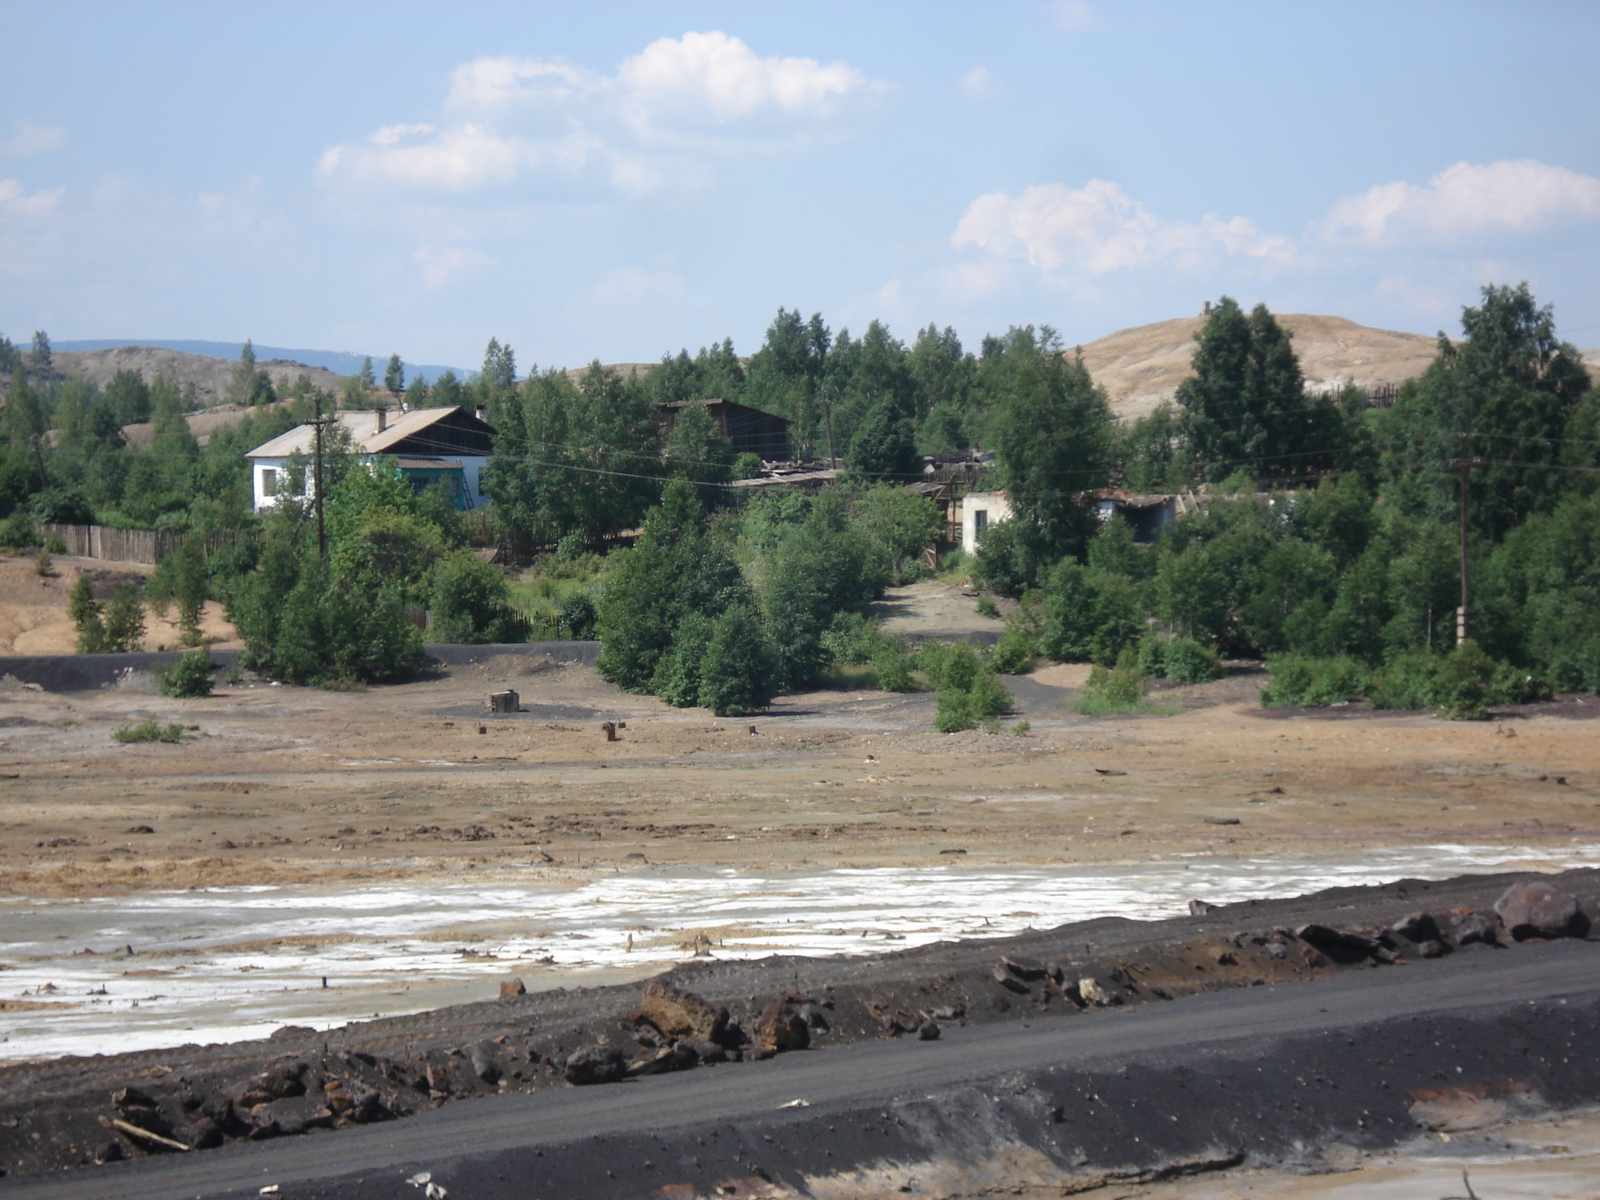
[
  {"x": 428, "y": 445},
  {"x": 979, "y": 510}
]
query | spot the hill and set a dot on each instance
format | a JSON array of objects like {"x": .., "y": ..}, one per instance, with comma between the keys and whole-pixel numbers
[
  {"x": 210, "y": 376},
  {"x": 340, "y": 362},
  {"x": 1142, "y": 366}
]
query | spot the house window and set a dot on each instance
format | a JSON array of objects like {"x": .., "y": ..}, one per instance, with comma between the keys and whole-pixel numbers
[
  {"x": 980, "y": 521},
  {"x": 269, "y": 481}
]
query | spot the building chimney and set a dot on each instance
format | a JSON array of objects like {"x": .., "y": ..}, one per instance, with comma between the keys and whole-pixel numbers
[
  {"x": 383, "y": 419},
  {"x": 482, "y": 414}
]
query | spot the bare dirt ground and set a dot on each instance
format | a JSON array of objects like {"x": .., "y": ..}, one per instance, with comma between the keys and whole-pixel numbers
[
  {"x": 33, "y": 607},
  {"x": 282, "y": 785}
]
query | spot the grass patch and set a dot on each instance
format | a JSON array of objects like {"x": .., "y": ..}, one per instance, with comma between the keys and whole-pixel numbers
[
  {"x": 1120, "y": 692},
  {"x": 849, "y": 677},
  {"x": 150, "y": 730},
  {"x": 1098, "y": 704}
]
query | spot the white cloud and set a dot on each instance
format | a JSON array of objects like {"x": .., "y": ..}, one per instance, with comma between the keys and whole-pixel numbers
[
  {"x": 525, "y": 119},
  {"x": 1100, "y": 228},
  {"x": 32, "y": 138},
  {"x": 714, "y": 79},
  {"x": 1071, "y": 15},
  {"x": 441, "y": 264},
  {"x": 980, "y": 84},
  {"x": 14, "y": 199},
  {"x": 1516, "y": 196}
]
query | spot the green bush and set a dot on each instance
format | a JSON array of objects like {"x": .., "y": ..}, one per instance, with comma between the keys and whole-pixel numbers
[
  {"x": 1185, "y": 660},
  {"x": 570, "y": 548},
  {"x": 955, "y": 711},
  {"x": 959, "y": 667},
  {"x": 1300, "y": 679},
  {"x": 1465, "y": 683},
  {"x": 1409, "y": 681},
  {"x": 149, "y": 730},
  {"x": 576, "y": 617},
  {"x": 17, "y": 532},
  {"x": 468, "y": 600},
  {"x": 988, "y": 696},
  {"x": 1114, "y": 689},
  {"x": 893, "y": 666},
  {"x": 852, "y": 639},
  {"x": 1512, "y": 685},
  {"x": 54, "y": 543},
  {"x": 1018, "y": 649},
  {"x": 189, "y": 677},
  {"x": 124, "y": 620},
  {"x": 986, "y": 607}
]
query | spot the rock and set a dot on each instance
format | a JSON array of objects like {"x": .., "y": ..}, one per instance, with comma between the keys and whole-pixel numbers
[
  {"x": 1340, "y": 941},
  {"x": 296, "y": 1114},
  {"x": 781, "y": 1027},
  {"x": 677, "y": 1057},
  {"x": 275, "y": 1084},
  {"x": 1199, "y": 908},
  {"x": 512, "y": 987},
  {"x": 206, "y": 1134},
  {"x": 928, "y": 1031},
  {"x": 108, "y": 1152},
  {"x": 1090, "y": 991},
  {"x": 1222, "y": 820},
  {"x": 705, "y": 1052},
  {"x": 1418, "y": 927},
  {"x": 1003, "y": 976},
  {"x": 485, "y": 1068},
  {"x": 1276, "y": 949},
  {"x": 1023, "y": 968},
  {"x": 595, "y": 1064},
  {"x": 681, "y": 1014},
  {"x": 1475, "y": 929},
  {"x": 124, "y": 1099},
  {"x": 1432, "y": 948},
  {"x": 1533, "y": 908}
]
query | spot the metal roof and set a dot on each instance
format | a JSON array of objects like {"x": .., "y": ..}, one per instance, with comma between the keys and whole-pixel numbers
[{"x": 363, "y": 429}]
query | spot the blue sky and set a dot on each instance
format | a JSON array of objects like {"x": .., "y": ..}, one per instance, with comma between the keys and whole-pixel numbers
[{"x": 617, "y": 180}]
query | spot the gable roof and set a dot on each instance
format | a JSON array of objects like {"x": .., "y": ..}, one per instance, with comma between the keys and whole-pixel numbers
[{"x": 363, "y": 430}]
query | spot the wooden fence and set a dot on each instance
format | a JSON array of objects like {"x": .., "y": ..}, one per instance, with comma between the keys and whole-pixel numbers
[{"x": 130, "y": 545}]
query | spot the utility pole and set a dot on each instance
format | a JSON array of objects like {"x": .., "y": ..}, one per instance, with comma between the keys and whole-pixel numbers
[
  {"x": 1462, "y": 464},
  {"x": 322, "y": 535},
  {"x": 38, "y": 457},
  {"x": 827, "y": 416}
]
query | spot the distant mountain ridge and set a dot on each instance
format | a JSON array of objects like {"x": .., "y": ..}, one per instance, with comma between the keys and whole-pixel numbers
[{"x": 340, "y": 362}]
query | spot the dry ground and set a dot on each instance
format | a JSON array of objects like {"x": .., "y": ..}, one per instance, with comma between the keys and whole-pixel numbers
[{"x": 280, "y": 785}]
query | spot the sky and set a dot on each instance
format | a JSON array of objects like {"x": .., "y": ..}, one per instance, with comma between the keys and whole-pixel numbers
[{"x": 615, "y": 181}]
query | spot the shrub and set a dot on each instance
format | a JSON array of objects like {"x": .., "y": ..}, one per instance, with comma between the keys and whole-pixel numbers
[
  {"x": 960, "y": 668},
  {"x": 931, "y": 658},
  {"x": 576, "y": 617},
  {"x": 124, "y": 620},
  {"x": 1409, "y": 681},
  {"x": 893, "y": 666},
  {"x": 1299, "y": 679},
  {"x": 84, "y": 612},
  {"x": 955, "y": 711},
  {"x": 189, "y": 677},
  {"x": 150, "y": 730},
  {"x": 989, "y": 696},
  {"x": 17, "y": 532},
  {"x": 986, "y": 607},
  {"x": 54, "y": 543},
  {"x": 570, "y": 548},
  {"x": 1465, "y": 683},
  {"x": 852, "y": 639},
  {"x": 1021, "y": 728},
  {"x": 747, "y": 466},
  {"x": 1513, "y": 685},
  {"x": 1185, "y": 660},
  {"x": 42, "y": 565},
  {"x": 468, "y": 600},
  {"x": 1018, "y": 648},
  {"x": 1114, "y": 689}
]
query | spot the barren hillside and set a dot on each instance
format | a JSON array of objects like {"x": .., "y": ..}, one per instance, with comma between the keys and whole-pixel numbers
[
  {"x": 210, "y": 376},
  {"x": 1142, "y": 366}
]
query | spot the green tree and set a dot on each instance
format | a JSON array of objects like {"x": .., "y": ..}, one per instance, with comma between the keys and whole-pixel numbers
[
  {"x": 129, "y": 397},
  {"x": 85, "y": 612},
  {"x": 1505, "y": 395},
  {"x": 394, "y": 375},
  {"x": 468, "y": 600},
  {"x": 250, "y": 386},
  {"x": 124, "y": 620},
  {"x": 40, "y": 361},
  {"x": 1053, "y": 428},
  {"x": 736, "y": 675},
  {"x": 698, "y": 451},
  {"x": 1246, "y": 406}
]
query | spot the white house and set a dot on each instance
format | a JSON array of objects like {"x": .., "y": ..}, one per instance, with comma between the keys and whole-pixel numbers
[
  {"x": 428, "y": 445},
  {"x": 979, "y": 510}
]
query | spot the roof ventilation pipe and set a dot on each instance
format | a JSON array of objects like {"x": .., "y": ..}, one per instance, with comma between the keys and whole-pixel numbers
[
  {"x": 383, "y": 419},
  {"x": 482, "y": 414}
]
